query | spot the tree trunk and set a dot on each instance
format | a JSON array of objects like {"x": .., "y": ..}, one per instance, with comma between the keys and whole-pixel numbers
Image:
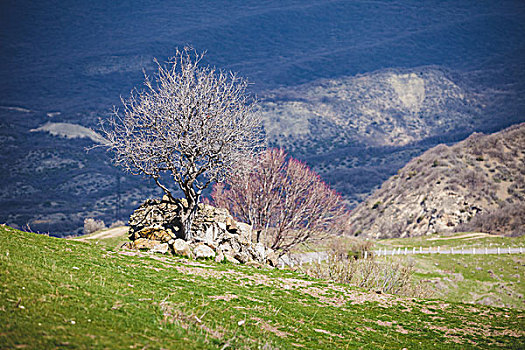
[
  {"x": 187, "y": 222},
  {"x": 190, "y": 213}
]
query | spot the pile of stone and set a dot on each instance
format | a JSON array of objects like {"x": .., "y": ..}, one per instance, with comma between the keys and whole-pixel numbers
[{"x": 156, "y": 226}]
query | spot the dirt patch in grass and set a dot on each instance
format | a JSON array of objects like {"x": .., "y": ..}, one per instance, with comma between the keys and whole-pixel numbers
[
  {"x": 226, "y": 297},
  {"x": 401, "y": 330},
  {"x": 427, "y": 311},
  {"x": 398, "y": 328},
  {"x": 267, "y": 327},
  {"x": 328, "y": 333},
  {"x": 478, "y": 331},
  {"x": 384, "y": 323},
  {"x": 319, "y": 294},
  {"x": 174, "y": 314}
]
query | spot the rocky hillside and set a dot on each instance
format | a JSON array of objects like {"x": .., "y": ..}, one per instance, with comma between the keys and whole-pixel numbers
[
  {"x": 357, "y": 131},
  {"x": 391, "y": 107},
  {"x": 476, "y": 184}
]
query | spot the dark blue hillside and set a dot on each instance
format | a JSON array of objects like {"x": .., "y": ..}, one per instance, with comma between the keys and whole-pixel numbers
[
  {"x": 64, "y": 61},
  {"x": 71, "y": 54}
]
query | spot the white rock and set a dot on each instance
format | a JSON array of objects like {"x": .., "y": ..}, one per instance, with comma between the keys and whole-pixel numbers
[
  {"x": 231, "y": 259},
  {"x": 261, "y": 251},
  {"x": 244, "y": 231},
  {"x": 203, "y": 251},
  {"x": 222, "y": 226},
  {"x": 220, "y": 256},
  {"x": 160, "y": 248},
  {"x": 181, "y": 247}
]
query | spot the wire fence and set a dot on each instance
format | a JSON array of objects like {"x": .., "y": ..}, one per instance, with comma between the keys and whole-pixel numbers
[
  {"x": 311, "y": 257},
  {"x": 458, "y": 250}
]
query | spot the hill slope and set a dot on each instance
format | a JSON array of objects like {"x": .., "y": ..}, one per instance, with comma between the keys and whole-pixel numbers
[
  {"x": 480, "y": 178},
  {"x": 62, "y": 293},
  {"x": 389, "y": 107},
  {"x": 341, "y": 70}
]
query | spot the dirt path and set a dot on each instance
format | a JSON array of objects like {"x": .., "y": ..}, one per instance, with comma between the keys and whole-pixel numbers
[
  {"x": 113, "y": 232},
  {"x": 467, "y": 235}
]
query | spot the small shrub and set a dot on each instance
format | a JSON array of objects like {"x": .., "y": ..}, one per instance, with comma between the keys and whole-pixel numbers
[
  {"x": 411, "y": 174},
  {"x": 376, "y": 205},
  {"x": 91, "y": 225},
  {"x": 386, "y": 276},
  {"x": 117, "y": 223},
  {"x": 354, "y": 248}
]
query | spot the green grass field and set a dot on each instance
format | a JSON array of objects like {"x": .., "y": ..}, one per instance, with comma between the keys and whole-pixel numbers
[
  {"x": 58, "y": 293},
  {"x": 482, "y": 279},
  {"x": 109, "y": 243},
  {"x": 487, "y": 279},
  {"x": 457, "y": 240}
]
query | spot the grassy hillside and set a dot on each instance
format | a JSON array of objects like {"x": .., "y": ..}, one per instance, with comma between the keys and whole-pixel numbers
[
  {"x": 483, "y": 279},
  {"x": 69, "y": 294},
  {"x": 458, "y": 240},
  {"x": 110, "y": 239},
  {"x": 477, "y": 184}
]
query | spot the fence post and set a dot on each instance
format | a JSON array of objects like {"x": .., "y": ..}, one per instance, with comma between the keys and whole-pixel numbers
[
  {"x": 498, "y": 250},
  {"x": 473, "y": 251},
  {"x": 486, "y": 250},
  {"x": 451, "y": 250},
  {"x": 462, "y": 252},
  {"x": 509, "y": 249},
  {"x": 413, "y": 250},
  {"x": 420, "y": 250},
  {"x": 521, "y": 250},
  {"x": 438, "y": 249},
  {"x": 366, "y": 254},
  {"x": 406, "y": 250}
]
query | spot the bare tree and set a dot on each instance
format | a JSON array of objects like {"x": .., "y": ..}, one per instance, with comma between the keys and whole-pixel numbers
[
  {"x": 285, "y": 201},
  {"x": 195, "y": 123}
]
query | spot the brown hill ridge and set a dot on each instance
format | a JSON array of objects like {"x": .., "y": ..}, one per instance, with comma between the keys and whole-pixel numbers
[{"x": 477, "y": 184}]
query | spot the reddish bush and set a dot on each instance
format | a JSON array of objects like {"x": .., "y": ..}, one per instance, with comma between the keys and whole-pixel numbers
[{"x": 284, "y": 200}]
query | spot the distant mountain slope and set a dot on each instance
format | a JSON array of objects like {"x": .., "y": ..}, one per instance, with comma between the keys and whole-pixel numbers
[
  {"x": 95, "y": 50},
  {"x": 480, "y": 177},
  {"x": 357, "y": 131},
  {"x": 390, "y": 107}
]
